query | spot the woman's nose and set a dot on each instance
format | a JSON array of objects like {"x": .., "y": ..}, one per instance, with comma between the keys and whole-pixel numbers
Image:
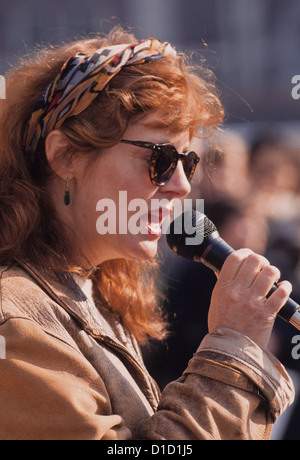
[{"x": 178, "y": 184}]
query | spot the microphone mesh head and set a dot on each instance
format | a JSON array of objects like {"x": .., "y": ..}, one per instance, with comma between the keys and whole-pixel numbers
[{"x": 177, "y": 236}]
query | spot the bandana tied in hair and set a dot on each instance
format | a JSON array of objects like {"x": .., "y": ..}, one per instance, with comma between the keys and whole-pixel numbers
[{"x": 80, "y": 81}]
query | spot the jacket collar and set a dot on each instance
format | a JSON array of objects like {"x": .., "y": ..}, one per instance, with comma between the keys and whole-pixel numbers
[
  {"x": 68, "y": 295},
  {"x": 75, "y": 295}
]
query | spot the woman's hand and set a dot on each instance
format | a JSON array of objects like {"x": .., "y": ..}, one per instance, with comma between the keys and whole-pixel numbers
[{"x": 239, "y": 299}]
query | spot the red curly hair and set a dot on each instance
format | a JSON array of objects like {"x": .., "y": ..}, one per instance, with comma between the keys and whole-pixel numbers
[{"x": 29, "y": 228}]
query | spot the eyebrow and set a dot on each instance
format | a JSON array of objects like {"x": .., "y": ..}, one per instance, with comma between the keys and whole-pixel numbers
[{"x": 127, "y": 141}]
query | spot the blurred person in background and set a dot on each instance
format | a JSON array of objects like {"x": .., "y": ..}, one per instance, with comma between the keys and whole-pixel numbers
[
  {"x": 275, "y": 193},
  {"x": 226, "y": 169},
  {"x": 275, "y": 178}
]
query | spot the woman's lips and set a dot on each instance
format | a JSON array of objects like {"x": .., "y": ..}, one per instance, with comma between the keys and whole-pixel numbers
[
  {"x": 155, "y": 220},
  {"x": 152, "y": 222}
]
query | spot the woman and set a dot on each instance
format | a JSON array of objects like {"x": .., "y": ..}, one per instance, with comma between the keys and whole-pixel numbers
[{"x": 76, "y": 305}]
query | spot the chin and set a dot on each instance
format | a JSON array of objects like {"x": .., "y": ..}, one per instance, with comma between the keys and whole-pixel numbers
[
  {"x": 132, "y": 249},
  {"x": 145, "y": 250}
]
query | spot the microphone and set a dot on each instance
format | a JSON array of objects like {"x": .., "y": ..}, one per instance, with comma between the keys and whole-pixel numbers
[{"x": 213, "y": 251}]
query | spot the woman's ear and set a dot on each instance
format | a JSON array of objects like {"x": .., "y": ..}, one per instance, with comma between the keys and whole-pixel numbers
[{"x": 58, "y": 155}]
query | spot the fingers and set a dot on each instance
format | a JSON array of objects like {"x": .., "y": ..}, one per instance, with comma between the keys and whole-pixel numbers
[
  {"x": 265, "y": 279},
  {"x": 255, "y": 266},
  {"x": 280, "y": 297},
  {"x": 233, "y": 264},
  {"x": 243, "y": 266},
  {"x": 242, "y": 298},
  {"x": 248, "y": 271}
]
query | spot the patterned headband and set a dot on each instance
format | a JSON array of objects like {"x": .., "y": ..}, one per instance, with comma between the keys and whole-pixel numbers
[{"x": 80, "y": 81}]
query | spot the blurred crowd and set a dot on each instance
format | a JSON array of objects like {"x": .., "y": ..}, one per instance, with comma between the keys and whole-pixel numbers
[{"x": 251, "y": 192}]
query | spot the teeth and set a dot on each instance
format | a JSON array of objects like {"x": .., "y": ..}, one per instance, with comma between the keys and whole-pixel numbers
[
  {"x": 155, "y": 226},
  {"x": 154, "y": 229},
  {"x": 153, "y": 221}
]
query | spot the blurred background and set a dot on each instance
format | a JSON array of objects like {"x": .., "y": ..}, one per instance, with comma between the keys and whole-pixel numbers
[{"x": 252, "y": 190}]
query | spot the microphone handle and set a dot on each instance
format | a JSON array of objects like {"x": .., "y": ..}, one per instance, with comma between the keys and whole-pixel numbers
[{"x": 215, "y": 260}]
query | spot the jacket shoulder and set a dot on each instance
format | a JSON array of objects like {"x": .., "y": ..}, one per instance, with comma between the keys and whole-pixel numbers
[{"x": 21, "y": 297}]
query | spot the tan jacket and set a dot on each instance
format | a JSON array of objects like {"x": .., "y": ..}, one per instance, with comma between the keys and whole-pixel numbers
[{"x": 72, "y": 372}]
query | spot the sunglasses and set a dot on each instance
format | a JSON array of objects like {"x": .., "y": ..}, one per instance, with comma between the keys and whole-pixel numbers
[{"x": 164, "y": 161}]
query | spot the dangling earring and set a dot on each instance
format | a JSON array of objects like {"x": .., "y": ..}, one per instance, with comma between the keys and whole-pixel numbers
[{"x": 67, "y": 198}]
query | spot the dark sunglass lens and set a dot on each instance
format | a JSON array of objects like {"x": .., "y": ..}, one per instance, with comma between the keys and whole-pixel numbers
[
  {"x": 164, "y": 164},
  {"x": 189, "y": 165}
]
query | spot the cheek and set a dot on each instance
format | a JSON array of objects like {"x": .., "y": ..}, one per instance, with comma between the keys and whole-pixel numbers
[{"x": 120, "y": 185}]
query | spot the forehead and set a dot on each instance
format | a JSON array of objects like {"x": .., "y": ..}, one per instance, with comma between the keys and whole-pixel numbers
[{"x": 149, "y": 129}]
